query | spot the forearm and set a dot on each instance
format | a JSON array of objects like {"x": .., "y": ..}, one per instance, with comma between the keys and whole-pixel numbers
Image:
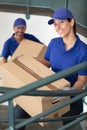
[
  {"x": 80, "y": 83},
  {"x": 43, "y": 61}
]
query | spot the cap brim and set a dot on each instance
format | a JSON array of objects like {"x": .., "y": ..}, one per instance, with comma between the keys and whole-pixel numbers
[
  {"x": 20, "y": 26},
  {"x": 51, "y": 21}
]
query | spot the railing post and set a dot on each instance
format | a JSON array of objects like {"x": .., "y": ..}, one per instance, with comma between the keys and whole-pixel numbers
[{"x": 11, "y": 115}]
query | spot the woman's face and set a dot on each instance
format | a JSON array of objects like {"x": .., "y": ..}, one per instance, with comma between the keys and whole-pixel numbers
[{"x": 63, "y": 27}]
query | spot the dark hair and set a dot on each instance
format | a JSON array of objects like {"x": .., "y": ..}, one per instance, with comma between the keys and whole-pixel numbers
[{"x": 74, "y": 27}]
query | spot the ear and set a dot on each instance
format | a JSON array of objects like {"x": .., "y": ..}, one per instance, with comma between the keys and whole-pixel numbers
[
  {"x": 72, "y": 22},
  {"x": 13, "y": 27}
]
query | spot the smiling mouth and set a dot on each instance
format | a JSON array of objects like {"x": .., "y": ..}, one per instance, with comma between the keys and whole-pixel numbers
[{"x": 60, "y": 31}]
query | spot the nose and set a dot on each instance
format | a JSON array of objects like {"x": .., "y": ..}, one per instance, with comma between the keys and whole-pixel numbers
[{"x": 20, "y": 29}]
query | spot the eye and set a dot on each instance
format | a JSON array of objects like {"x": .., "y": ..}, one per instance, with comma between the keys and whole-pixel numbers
[
  {"x": 55, "y": 24},
  {"x": 61, "y": 21}
]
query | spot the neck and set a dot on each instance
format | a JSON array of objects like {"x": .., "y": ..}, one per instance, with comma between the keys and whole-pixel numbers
[
  {"x": 18, "y": 39},
  {"x": 69, "y": 41}
]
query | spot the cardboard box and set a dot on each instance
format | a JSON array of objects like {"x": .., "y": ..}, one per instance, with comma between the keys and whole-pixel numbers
[
  {"x": 24, "y": 70},
  {"x": 1, "y": 62},
  {"x": 30, "y": 48}
]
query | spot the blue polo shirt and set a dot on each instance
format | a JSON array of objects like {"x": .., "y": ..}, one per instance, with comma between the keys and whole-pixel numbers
[
  {"x": 61, "y": 59},
  {"x": 11, "y": 44}
]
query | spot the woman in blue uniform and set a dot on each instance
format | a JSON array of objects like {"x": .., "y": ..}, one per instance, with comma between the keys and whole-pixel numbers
[{"x": 66, "y": 51}]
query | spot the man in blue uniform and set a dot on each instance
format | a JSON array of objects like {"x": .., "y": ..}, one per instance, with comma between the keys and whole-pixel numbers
[
  {"x": 9, "y": 48},
  {"x": 13, "y": 42}
]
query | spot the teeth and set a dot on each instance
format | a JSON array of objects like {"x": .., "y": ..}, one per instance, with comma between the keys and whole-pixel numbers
[{"x": 59, "y": 31}]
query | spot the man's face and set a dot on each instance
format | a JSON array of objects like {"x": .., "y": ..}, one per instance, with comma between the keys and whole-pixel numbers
[{"x": 19, "y": 31}]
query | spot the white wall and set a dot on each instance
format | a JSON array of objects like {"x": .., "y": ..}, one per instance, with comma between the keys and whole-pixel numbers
[{"x": 37, "y": 25}]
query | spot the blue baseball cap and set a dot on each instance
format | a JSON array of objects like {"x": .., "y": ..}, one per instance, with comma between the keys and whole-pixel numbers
[
  {"x": 19, "y": 22},
  {"x": 61, "y": 14}
]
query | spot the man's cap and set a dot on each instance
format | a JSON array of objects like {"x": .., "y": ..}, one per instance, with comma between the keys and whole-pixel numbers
[
  {"x": 61, "y": 14},
  {"x": 19, "y": 22}
]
